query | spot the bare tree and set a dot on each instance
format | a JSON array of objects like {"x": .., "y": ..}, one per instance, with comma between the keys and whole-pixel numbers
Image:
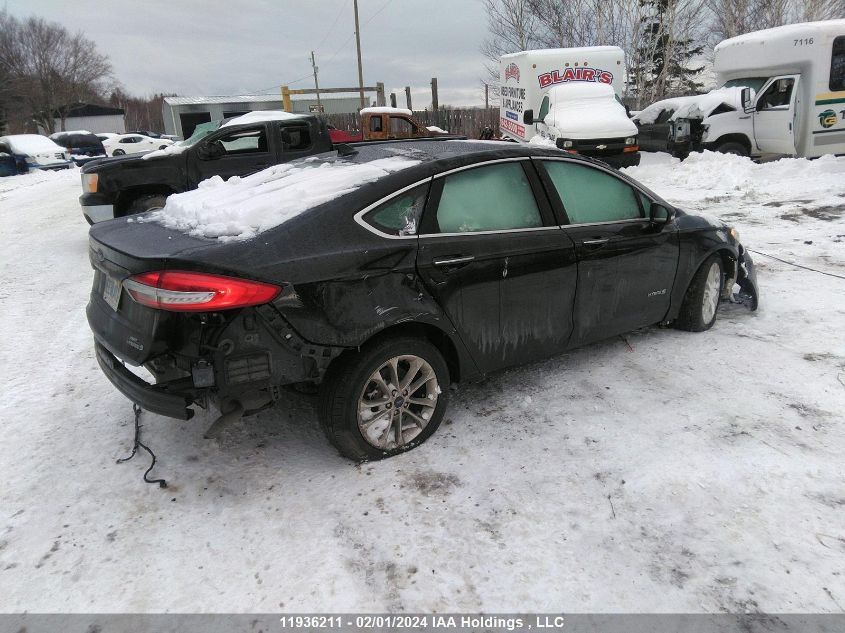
[
  {"x": 512, "y": 27},
  {"x": 49, "y": 68}
]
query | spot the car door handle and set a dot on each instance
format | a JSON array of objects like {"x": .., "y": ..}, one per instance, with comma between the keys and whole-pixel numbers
[
  {"x": 599, "y": 242},
  {"x": 454, "y": 261}
]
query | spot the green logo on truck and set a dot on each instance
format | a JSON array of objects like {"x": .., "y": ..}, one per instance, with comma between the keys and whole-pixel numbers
[{"x": 827, "y": 118}]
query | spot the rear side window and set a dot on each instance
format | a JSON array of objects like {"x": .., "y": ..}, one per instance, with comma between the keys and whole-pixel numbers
[
  {"x": 490, "y": 198},
  {"x": 297, "y": 137},
  {"x": 592, "y": 195},
  {"x": 837, "y": 64},
  {"x": 400, "y": 215},
  {"x": 401, "y": 127},
  {"x": 375, "y": 124}
]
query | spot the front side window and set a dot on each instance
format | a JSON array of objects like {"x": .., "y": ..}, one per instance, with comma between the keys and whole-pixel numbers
[
  {"x": 490, "y": 198},
  {"x": 244, "y": 142},
  {"x": 375, "y": 124},
  {"x": 591, "y": 195},
  {"x": 837, "y": 65},
  {"x": 401, "y": 215},
  {"x": 544, "y": 108},
  {"x": 777, "y": 95}
]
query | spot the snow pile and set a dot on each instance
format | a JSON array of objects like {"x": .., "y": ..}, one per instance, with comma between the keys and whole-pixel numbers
[
  {"x": 588, "y": 110},
  {"x": 240, "y": 208},
  {"x": 439, "y": 130},
  {"x": 694, "y": 107},
  {"x": 170, "y": 150},
  {"x": 387, "y": 110},
  {"x": 729, "y": 177},
  {"x": 259, "y": 116},
  {"x": 31, "y": 144}
]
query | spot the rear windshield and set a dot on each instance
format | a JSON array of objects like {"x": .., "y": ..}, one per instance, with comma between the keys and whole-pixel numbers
[
  {"x": 77, "y": 140},
  {"x": 837, "y": 64}
]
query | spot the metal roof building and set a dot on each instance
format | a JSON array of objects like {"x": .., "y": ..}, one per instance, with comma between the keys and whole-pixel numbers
[{"x": 183, "y": 114}]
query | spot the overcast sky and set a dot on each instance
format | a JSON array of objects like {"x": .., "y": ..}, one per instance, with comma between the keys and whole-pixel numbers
[{"x": 217, "y": 47}]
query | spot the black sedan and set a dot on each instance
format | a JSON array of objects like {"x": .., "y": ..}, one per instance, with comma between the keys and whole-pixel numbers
[{"x": 480, "y": 256}]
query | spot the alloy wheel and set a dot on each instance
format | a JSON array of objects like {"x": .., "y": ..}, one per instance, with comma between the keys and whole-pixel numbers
[{"x": 397, "y": 402}]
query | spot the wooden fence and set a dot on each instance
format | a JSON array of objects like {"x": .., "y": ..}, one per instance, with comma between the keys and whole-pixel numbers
[{"x": 461, "y": 121}]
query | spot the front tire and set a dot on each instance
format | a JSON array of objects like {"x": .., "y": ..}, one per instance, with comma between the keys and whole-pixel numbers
[
  {"x": 386, "y": 399},
  {"x": 701, "y": 302},
  {"x": 731, "y": 147}
]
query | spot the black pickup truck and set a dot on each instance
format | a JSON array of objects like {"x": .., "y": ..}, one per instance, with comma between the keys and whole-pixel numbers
[{"x": 114, "y": 187}]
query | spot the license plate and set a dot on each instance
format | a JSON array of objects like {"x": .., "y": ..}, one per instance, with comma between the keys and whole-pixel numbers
[{"x": 111, "y": 293}]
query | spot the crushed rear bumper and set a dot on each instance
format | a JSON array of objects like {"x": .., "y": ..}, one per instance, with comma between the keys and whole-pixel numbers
[{"x": 150, "y": 397}]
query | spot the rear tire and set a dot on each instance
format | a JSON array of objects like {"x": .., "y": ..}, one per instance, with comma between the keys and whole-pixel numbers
[
  {"x": 118, "y": 152},
  {"x": 701, "y": 301},
  {"x": 146, "y": 203},
  {"x": 400, "y": 417},
  {"x": 732, "y": 147}
]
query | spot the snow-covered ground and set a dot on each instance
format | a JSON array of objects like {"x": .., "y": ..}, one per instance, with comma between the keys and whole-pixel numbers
[{"x": 674, "y": 472}]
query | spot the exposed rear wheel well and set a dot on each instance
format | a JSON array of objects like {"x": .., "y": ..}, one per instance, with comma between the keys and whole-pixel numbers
[{"x": 430, "y": 333}]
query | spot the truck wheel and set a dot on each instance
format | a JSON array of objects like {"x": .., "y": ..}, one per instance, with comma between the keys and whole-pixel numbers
[
  {"x": 147, "y": 203},
  {"x": 384, "y": 400},
  {"x": 732, "y": 147},
  {"x": 701, "y": 302},
  {"x": 118, "y": 152}
]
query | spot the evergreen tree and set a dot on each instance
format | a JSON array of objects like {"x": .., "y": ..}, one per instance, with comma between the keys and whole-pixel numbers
[{"x": 661, "y": 65}]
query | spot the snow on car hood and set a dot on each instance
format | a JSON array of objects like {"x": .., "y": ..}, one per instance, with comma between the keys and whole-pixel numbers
[
  {"x": 694, "y": 107},
  {"x": 242, "y": 207},
  {"x": 584, "y": 111}
]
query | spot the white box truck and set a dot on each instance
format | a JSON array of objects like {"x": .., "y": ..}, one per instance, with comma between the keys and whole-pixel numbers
[
  {"x": 569, "y": 97},
  {"x": 782, "y": 93}
]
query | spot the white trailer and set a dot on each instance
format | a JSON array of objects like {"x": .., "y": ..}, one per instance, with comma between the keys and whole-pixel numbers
[
  {"x": 782, "y": 92},
  {"x": 571, "y": 98}
]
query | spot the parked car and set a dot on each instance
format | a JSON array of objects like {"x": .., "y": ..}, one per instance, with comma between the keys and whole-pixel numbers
[
  {"x": 389, "y": 273},
  {"x": 237, "y": 147},
  {"x": 81, "y": 145},
  {"x": 133, "y": 143},
  {"x": 33, "y": 151}
]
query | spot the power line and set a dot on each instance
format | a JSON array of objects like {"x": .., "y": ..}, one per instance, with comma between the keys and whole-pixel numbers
[{"x": 334, "y": 24}]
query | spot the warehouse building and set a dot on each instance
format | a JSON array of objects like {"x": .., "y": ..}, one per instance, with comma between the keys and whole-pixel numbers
[{"x": 183, "y": 114}]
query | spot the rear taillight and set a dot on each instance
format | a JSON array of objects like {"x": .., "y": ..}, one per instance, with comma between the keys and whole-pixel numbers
[{"x": 182, "y": 291}]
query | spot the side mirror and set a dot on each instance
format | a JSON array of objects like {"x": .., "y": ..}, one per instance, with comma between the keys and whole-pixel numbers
[
  {"x": 528, "y": 117},
  {"x": 659, "y": 213},
  {"x": 745, "y": 98}
]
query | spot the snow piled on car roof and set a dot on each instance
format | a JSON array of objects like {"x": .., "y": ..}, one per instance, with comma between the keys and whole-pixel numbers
[
  {"x": 242, "y": 207},
  {"x": 259, "y": 116}
]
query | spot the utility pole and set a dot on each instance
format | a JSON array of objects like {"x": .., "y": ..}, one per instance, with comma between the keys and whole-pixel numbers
[
  {"x": 486, "y": 96},
  {"x": 358, "y": 44},
  {"x": 316, "y": 84}
]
